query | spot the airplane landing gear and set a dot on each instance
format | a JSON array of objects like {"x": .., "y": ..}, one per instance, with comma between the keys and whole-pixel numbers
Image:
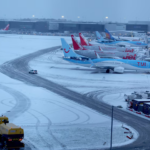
[{"x": 107, "y": 71}]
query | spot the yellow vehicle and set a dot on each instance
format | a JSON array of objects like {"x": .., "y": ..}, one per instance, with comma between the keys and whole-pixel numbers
[{"x": 10, "y": 134}]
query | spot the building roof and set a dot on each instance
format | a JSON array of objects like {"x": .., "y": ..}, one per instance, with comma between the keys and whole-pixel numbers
[
  {"x": 142, "y": 100},
  {"x": 147, "y": 103}
]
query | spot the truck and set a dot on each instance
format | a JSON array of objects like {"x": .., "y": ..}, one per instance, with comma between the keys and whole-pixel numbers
[{"x": 10, "y": 134}]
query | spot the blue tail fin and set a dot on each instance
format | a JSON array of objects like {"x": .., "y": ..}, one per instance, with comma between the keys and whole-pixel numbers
[
  {"x": 99, "y": 37},
  {"x": 108, "y": 35},
  {"x": 68, "y": 52}
]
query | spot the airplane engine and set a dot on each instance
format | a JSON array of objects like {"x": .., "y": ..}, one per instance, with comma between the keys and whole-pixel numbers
[{"x": 119, "y": 69}]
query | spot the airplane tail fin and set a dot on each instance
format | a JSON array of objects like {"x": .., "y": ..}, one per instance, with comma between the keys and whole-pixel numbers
[
  {"x": 98, "y": 36},
  {"x": 92, "y": 64},
  {"x": 108, "y": 35},
  {"x": 83, "y": 41},
  {"x": 75, "y": 44},
  {"x": 6, "y": 28},
  {"x": 100, "y": 48},
  {"x": 67, "y": 50},
  {"x": 98, "y": 57}
]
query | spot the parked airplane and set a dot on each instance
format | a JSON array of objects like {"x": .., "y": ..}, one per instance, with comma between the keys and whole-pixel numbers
[
  {"x": 93, "y": 53},
  {"x": 116, "y": 65},
  {"x": 88, "y": 45},
  {"x": 127, "y": 38},
  {"x": 115, "y": 42},
  {"x": 123, "y": 38},
  {"x": 132, "y": 39},
  {"x": 5, "y": 29}
]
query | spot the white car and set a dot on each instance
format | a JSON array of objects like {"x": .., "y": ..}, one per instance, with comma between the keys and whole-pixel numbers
[{"x": 33, "y": 71}]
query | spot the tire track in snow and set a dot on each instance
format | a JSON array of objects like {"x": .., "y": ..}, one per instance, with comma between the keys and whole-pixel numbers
[
  {"x": 87, "y": 116},
  {"x": 22, "y": 105},
  {"x": 50, "y": 146},
  {"x": 22, "y": 102},
  {"x": 50, "y": 132},
  {"x": 38, "y": 125},
  {"x": 2, "y": 102}
]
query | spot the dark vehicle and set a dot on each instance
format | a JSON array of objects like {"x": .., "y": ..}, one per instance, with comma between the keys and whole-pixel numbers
[{"x": 33, "y": 71}]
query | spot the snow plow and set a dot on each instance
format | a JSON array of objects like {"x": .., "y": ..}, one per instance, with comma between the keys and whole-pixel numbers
[{"x": 10, "y": 134}]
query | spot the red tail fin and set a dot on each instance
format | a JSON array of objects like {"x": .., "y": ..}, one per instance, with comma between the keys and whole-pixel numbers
[
  {"x": 6, "y": 28},
  {"x": 84, "y": 42},
  {"x": 76, "y": 45}
]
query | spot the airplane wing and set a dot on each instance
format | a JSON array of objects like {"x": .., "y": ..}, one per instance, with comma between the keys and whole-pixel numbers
[
  {"x": 123, "y": 44},
  {"x": 147, "y": 59},
  {"x": 98, "y": 57},
  {"x": 101, "y": 67},
  {"x": 117, "y": 69}
]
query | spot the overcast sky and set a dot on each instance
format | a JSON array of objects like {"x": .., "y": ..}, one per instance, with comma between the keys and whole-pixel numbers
[{"x": 87, "y": 10}]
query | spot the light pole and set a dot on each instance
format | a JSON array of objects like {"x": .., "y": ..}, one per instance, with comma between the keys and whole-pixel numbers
[
  {"x": 111, "y": 127},
  {"x": 124, "y": 20}
]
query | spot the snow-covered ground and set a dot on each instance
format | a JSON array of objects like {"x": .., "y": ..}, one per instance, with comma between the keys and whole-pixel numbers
[
  {"x": 13, "y": 46},
  {"x": 51, "y": 121}
]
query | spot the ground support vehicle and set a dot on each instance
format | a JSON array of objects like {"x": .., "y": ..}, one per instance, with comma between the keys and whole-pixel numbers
[{"x": 10, "y": 134}]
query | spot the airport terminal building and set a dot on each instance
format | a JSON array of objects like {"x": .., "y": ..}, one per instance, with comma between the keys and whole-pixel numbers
[
  {"x": 49, "y": 26},
  {"x": 72, "y": 26}
]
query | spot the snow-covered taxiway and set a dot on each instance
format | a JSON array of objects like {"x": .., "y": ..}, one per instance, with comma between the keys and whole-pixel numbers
[{"x": 51, "y": 121}]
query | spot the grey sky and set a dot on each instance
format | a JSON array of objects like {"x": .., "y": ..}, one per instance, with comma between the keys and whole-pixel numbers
[{"x": 88, "y": 10}]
